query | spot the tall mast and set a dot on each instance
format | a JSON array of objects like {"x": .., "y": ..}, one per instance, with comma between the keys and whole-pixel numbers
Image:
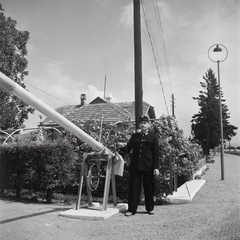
[
  {"x": 173, "y": 106},
  {"x": 105, "y": 82}
]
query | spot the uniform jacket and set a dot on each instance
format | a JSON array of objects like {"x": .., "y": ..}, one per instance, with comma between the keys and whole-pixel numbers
[{"x": 145, "y": 155}]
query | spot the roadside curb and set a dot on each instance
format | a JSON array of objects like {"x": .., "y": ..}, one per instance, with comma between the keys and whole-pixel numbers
[{"x": 186, "y": 192}]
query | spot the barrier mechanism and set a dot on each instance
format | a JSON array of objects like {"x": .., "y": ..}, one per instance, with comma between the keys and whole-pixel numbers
[{"x": 94, "y": 167}]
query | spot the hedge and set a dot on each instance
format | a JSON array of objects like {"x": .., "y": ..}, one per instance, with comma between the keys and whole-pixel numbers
[
  {"x": 46, "y": 165},
  {"x": 56, "y": 165}
]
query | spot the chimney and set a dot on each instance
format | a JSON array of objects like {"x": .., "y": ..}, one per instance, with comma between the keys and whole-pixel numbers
[
  {"x": 83, "y": 97},
  {"x": 108, "y": 99}
]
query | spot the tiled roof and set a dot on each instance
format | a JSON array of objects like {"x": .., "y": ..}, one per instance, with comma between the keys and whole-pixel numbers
[
  {"x": 98, "y": 108},
  {"x": 130, "y": 106}
]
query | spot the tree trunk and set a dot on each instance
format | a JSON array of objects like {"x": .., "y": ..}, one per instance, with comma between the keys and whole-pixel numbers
[
  {"x": 49, "y": 195},
  {"x": 17, "y": 191},
  {"x": 207, "y": 143},
  {"x": 2, "y": 191}
]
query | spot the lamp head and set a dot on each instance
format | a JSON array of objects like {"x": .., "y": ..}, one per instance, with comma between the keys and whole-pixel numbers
[{"x": 217, "y": 49}]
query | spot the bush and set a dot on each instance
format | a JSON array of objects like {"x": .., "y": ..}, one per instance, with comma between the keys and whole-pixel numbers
[
  {"x": 185, "y": 154},
  {"x": 52, "y": 165},
  {"x": 46, "y": 165},
  {"x": 170, "y": 139}
]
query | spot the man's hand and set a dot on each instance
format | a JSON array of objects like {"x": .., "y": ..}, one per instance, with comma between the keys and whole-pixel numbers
[
  {"x": 156, "y": 172},
  {"x": 120, "y": 144}
]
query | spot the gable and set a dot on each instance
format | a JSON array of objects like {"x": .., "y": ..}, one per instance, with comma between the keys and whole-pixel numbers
[{"x": 98, "y": 100}]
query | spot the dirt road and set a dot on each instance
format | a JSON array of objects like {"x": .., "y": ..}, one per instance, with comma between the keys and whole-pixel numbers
[{"x": 213, "y": 214}]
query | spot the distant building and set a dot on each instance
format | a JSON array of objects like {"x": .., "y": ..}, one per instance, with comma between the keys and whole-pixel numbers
[{"x": 100, "y": 108}]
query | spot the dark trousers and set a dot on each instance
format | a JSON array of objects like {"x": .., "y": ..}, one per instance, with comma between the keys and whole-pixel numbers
[{"x": 135, "y": 186}]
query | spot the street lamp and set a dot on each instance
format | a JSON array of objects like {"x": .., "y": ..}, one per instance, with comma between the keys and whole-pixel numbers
[{"x": 217, "y": 57}]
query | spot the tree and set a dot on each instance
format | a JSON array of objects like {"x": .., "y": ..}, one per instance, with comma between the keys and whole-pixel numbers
[
  {"x": 205, "y": 124},
  {"x": 13, "y": 111}
]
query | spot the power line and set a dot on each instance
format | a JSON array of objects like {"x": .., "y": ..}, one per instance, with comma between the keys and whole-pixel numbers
[
  {"x": 70, "y": 65},
  {"x": 161, "y": 36},
  {"x": 47, "y": 93},
  {"x": 154, "y": 55}
]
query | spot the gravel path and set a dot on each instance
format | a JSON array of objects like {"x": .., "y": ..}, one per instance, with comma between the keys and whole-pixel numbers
[{"x": 213, "y": 214}]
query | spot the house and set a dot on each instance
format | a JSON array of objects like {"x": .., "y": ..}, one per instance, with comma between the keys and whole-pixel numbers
[{"x": 101, "y": 108}]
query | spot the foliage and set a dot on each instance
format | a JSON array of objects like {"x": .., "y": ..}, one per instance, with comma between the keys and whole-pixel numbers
[
  {"x": 171, "y": 140},
  {"x": 205, "y": 124},
  {"x": 38, "y": 135},
  {"x": 47, "y": 165},
  {"x": 185, "y": 153},
  {"x": 107, "y": 135},
  {"x": 13, "y": 111},
  {"x": 39, "y": 165}
]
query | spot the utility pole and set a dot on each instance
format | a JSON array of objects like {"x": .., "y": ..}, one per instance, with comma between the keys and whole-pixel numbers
[
  {"x": 138, "y": 61},
  {"x": 173, "y": 106}
]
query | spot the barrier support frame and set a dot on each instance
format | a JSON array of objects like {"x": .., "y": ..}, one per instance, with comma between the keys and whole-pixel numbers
[{"x": 110, "y": 176}]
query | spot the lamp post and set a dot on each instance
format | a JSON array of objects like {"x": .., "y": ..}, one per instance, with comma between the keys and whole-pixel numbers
[{"x": 215, "y": 57}]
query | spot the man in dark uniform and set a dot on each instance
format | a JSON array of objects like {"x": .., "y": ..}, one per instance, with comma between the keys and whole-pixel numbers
[{"x": 144, "y": 165}]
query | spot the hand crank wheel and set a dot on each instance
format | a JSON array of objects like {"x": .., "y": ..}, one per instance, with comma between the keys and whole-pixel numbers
[{"x": 93, "y": 177}]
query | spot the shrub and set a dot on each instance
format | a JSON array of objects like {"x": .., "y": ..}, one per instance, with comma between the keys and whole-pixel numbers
[
  {"x": 46, "y": 165},
  {"x": 170, "y": 139},
  {"x": 53, "y": 165}
]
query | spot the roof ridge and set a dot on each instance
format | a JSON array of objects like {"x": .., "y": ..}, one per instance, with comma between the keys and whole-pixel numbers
[{"x": 116, "y": 108}]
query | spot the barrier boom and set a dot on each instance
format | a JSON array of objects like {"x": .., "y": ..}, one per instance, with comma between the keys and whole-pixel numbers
[{"x": 18, "y": 91}]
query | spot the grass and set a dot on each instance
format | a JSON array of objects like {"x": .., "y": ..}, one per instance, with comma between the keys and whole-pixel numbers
[
  {"x": 29, "y": 196},
  {"x": 237, "y": 153}
]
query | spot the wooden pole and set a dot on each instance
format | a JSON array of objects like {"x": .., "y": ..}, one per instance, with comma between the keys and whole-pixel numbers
[
  {"x": 175, "y": 178},
  {"x": 171, "y": 173},
  {"x": 15, "y": 89},
  {"x": 138, "y": 62}
]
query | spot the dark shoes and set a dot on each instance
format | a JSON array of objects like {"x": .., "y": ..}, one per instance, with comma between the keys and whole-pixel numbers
[
  {"x": 128, "y": 214},
  {"x": 150, "y": 212}
]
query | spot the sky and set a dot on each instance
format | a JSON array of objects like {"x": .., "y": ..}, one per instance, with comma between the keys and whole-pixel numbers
[{"x": 74, "y": 45}]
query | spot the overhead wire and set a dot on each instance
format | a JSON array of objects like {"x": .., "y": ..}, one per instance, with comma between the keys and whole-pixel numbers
[
  {"x": 161, "y": 36},
  {"x": 69, "y": 65},
  {"x": 66, "y": 64},
  {"x": 152, "y": 43},
  {"x": 154, "y": 54},
  {"x": 46, "y": 93}
]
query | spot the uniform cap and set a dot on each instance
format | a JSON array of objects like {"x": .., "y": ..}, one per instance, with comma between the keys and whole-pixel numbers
[{"x": 143, "y": 118}]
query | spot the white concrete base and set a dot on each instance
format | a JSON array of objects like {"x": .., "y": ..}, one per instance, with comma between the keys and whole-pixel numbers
[
  {"x": 94, "y": 212},
  {"x": 186, "y": 192}
]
